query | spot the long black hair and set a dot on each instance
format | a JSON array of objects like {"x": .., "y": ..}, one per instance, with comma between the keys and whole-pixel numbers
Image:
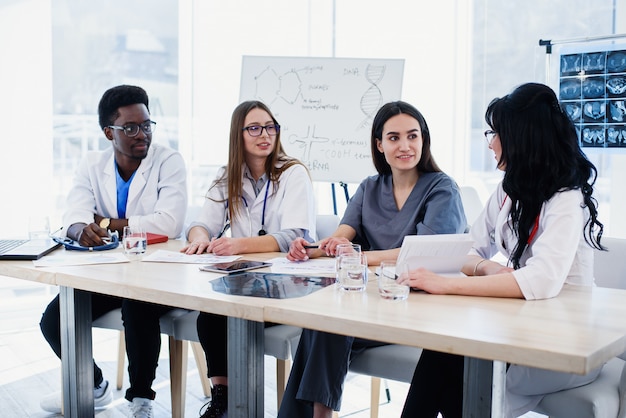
[{"x": 541, "y": 156}]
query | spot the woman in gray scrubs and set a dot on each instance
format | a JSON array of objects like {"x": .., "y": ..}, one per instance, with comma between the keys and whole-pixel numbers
[{"x": 409, "y": 195}]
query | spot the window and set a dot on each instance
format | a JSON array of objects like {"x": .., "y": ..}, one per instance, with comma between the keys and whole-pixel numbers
[{"x": 187, "y": 54}]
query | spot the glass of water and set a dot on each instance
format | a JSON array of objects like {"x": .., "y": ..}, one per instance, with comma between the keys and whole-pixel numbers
[
  {"x": 135, "y": 242},
  {"x": 349, "y": 248},
  {"x": 345, "y": 249},
  {"x": 352, "y": 272},
  {"x": 38, "y": 227},
  {"x": 388, "y": 286}
]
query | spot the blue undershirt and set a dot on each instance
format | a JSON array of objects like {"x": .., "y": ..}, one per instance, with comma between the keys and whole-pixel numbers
[{"x": 122, "y": 192}]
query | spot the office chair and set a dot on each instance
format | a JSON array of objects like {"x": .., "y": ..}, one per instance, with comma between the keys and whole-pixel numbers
[{"x": 606, "y": 396}]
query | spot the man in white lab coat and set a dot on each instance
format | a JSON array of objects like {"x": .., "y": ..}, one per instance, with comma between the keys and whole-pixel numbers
[{"x": 133, "y": 183}]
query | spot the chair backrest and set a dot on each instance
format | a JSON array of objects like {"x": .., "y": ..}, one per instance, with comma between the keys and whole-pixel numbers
[
  {"x": 471, "y": 203},
  {"x": 326, "y": 225},
  {"x": 609, "y": 267}
]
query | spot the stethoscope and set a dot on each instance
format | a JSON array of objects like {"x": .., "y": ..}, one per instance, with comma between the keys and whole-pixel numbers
[
  {"x": 70, "y": 244},
  {"x": 262, "y": 231}
]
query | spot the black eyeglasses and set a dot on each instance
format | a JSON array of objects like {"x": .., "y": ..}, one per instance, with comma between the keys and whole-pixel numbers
[
  {"x": 489, "y": 135},
  {"x": 132, "y": 129},
  {"x": 257, "y": 130}
]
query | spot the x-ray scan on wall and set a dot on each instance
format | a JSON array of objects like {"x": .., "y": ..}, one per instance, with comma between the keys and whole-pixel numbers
[{"x": 592, "y": 91}]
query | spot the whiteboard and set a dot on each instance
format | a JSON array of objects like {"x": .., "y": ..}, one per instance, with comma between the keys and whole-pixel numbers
[{"x": 325, "y": 107}]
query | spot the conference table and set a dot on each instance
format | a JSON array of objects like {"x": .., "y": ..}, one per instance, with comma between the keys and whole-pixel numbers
[{"x": 575, "y": 332}]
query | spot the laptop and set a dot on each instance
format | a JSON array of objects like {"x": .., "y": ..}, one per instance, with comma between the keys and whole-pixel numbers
[{"x": 26, "y": 249}]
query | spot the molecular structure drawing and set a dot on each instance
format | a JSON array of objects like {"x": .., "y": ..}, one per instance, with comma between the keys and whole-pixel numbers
[{"x": 270, "y": 86}]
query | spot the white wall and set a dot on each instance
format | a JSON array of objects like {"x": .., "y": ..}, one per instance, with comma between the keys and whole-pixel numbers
[
  {"x": 25, "y": 114},
  {"x": 434, "y": 38},
  {"x": 431, "y": 37}
]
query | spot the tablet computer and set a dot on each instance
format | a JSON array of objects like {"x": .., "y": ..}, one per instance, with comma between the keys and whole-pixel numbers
[
  {"x": 441, "y": 254},
  {"x": 234, "y": 266}
]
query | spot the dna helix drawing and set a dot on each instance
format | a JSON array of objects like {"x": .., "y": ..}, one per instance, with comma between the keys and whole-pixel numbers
[{"x": 372, "y": 99}]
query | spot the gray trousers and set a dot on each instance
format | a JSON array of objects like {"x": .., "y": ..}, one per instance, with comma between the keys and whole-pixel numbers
[{"x": 319, "y": 370}]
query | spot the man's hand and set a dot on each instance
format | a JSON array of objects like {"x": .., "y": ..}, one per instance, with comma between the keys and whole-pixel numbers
[{"x": 92, "y": 235}]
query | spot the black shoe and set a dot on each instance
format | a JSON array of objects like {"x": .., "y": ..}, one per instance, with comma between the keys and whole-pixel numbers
[{"x": 217, "y": 407}]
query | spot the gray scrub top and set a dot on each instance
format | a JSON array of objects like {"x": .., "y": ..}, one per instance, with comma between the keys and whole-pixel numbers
[{"x": 433, "y": 207}]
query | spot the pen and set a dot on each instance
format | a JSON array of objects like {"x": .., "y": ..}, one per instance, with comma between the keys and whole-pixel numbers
[
  {"x": 58, "y": 230},
  {"x": 311, "y": 246}
]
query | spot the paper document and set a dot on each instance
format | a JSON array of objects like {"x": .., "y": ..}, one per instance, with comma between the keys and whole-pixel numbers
[
  {"x": 320, "y": 266},
  {"x": 443, "y": 253},
  {"x": 165, "y": 256},
  {"x": 86, "y": 258}
]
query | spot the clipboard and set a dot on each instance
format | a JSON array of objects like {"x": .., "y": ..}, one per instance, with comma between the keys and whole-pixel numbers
[{"x": 442, "y": 254}]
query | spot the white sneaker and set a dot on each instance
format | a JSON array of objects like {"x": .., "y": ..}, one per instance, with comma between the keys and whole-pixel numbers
[
  {"x": 102, "y": 396},
  {"x": 140, "y": 408}
]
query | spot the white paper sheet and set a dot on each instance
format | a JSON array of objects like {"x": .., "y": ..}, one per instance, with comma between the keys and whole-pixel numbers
[
  {"x": 164, "y": 256},
  {"x": 320, "y": 266},
  {"x": 82, "y": 259},
  {"x": 444, "y": 253}
]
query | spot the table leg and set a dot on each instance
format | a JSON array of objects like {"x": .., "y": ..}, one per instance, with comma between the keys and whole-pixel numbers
[
  {"x": 484, "y": 386},
  {"x": 76, "y": 352},
  {"x": 477, "y": 381},
  {"x": 498, "y": 389},
  {"x": 245, "y": 368}
]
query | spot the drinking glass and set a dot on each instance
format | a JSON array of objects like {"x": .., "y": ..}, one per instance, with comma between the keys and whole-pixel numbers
[
  {"x": 135, "y": 242},
  {"x": 352, "y": 271},
  {"x": 347, "y": 249},
  {"x": 388, "y": 286},
  {"x": 38, "y": 227},
  {"x": 342, "y": 249}
]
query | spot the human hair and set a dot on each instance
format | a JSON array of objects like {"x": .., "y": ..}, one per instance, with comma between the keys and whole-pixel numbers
[
  {"x": 116, "y": 97},
  {"x": 541, "y": 156},
  {"x": 426, "y": 163},
  {"x": 275, "y": 164}
]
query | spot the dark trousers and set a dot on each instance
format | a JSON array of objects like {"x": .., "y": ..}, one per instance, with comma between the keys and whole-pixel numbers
[
  {"x": 143, "y": 345},
  {"x": 437, "y": 386},
  {"x": 51, "y": 324},
  {"x": 212, "y": 333},
  {"x": 143, "y": 338},
  {"x": 319, "y": 370},
  {"x": 213, "y": 336}
]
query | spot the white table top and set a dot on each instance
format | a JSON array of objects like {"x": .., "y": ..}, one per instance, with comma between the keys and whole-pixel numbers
[{"x": 574, "y": 332}]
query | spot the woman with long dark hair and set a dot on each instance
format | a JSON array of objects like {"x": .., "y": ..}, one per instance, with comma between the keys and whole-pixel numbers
[
  {"x": 543, "y": 219},
  {"x": 410, "y": 195}
]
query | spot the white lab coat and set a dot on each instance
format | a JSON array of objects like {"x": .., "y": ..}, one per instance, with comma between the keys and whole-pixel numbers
[
  {"x": 289, "y": 206},
  {"x": 557, "y": 254},
  {"x": 157, "y": 197}
]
